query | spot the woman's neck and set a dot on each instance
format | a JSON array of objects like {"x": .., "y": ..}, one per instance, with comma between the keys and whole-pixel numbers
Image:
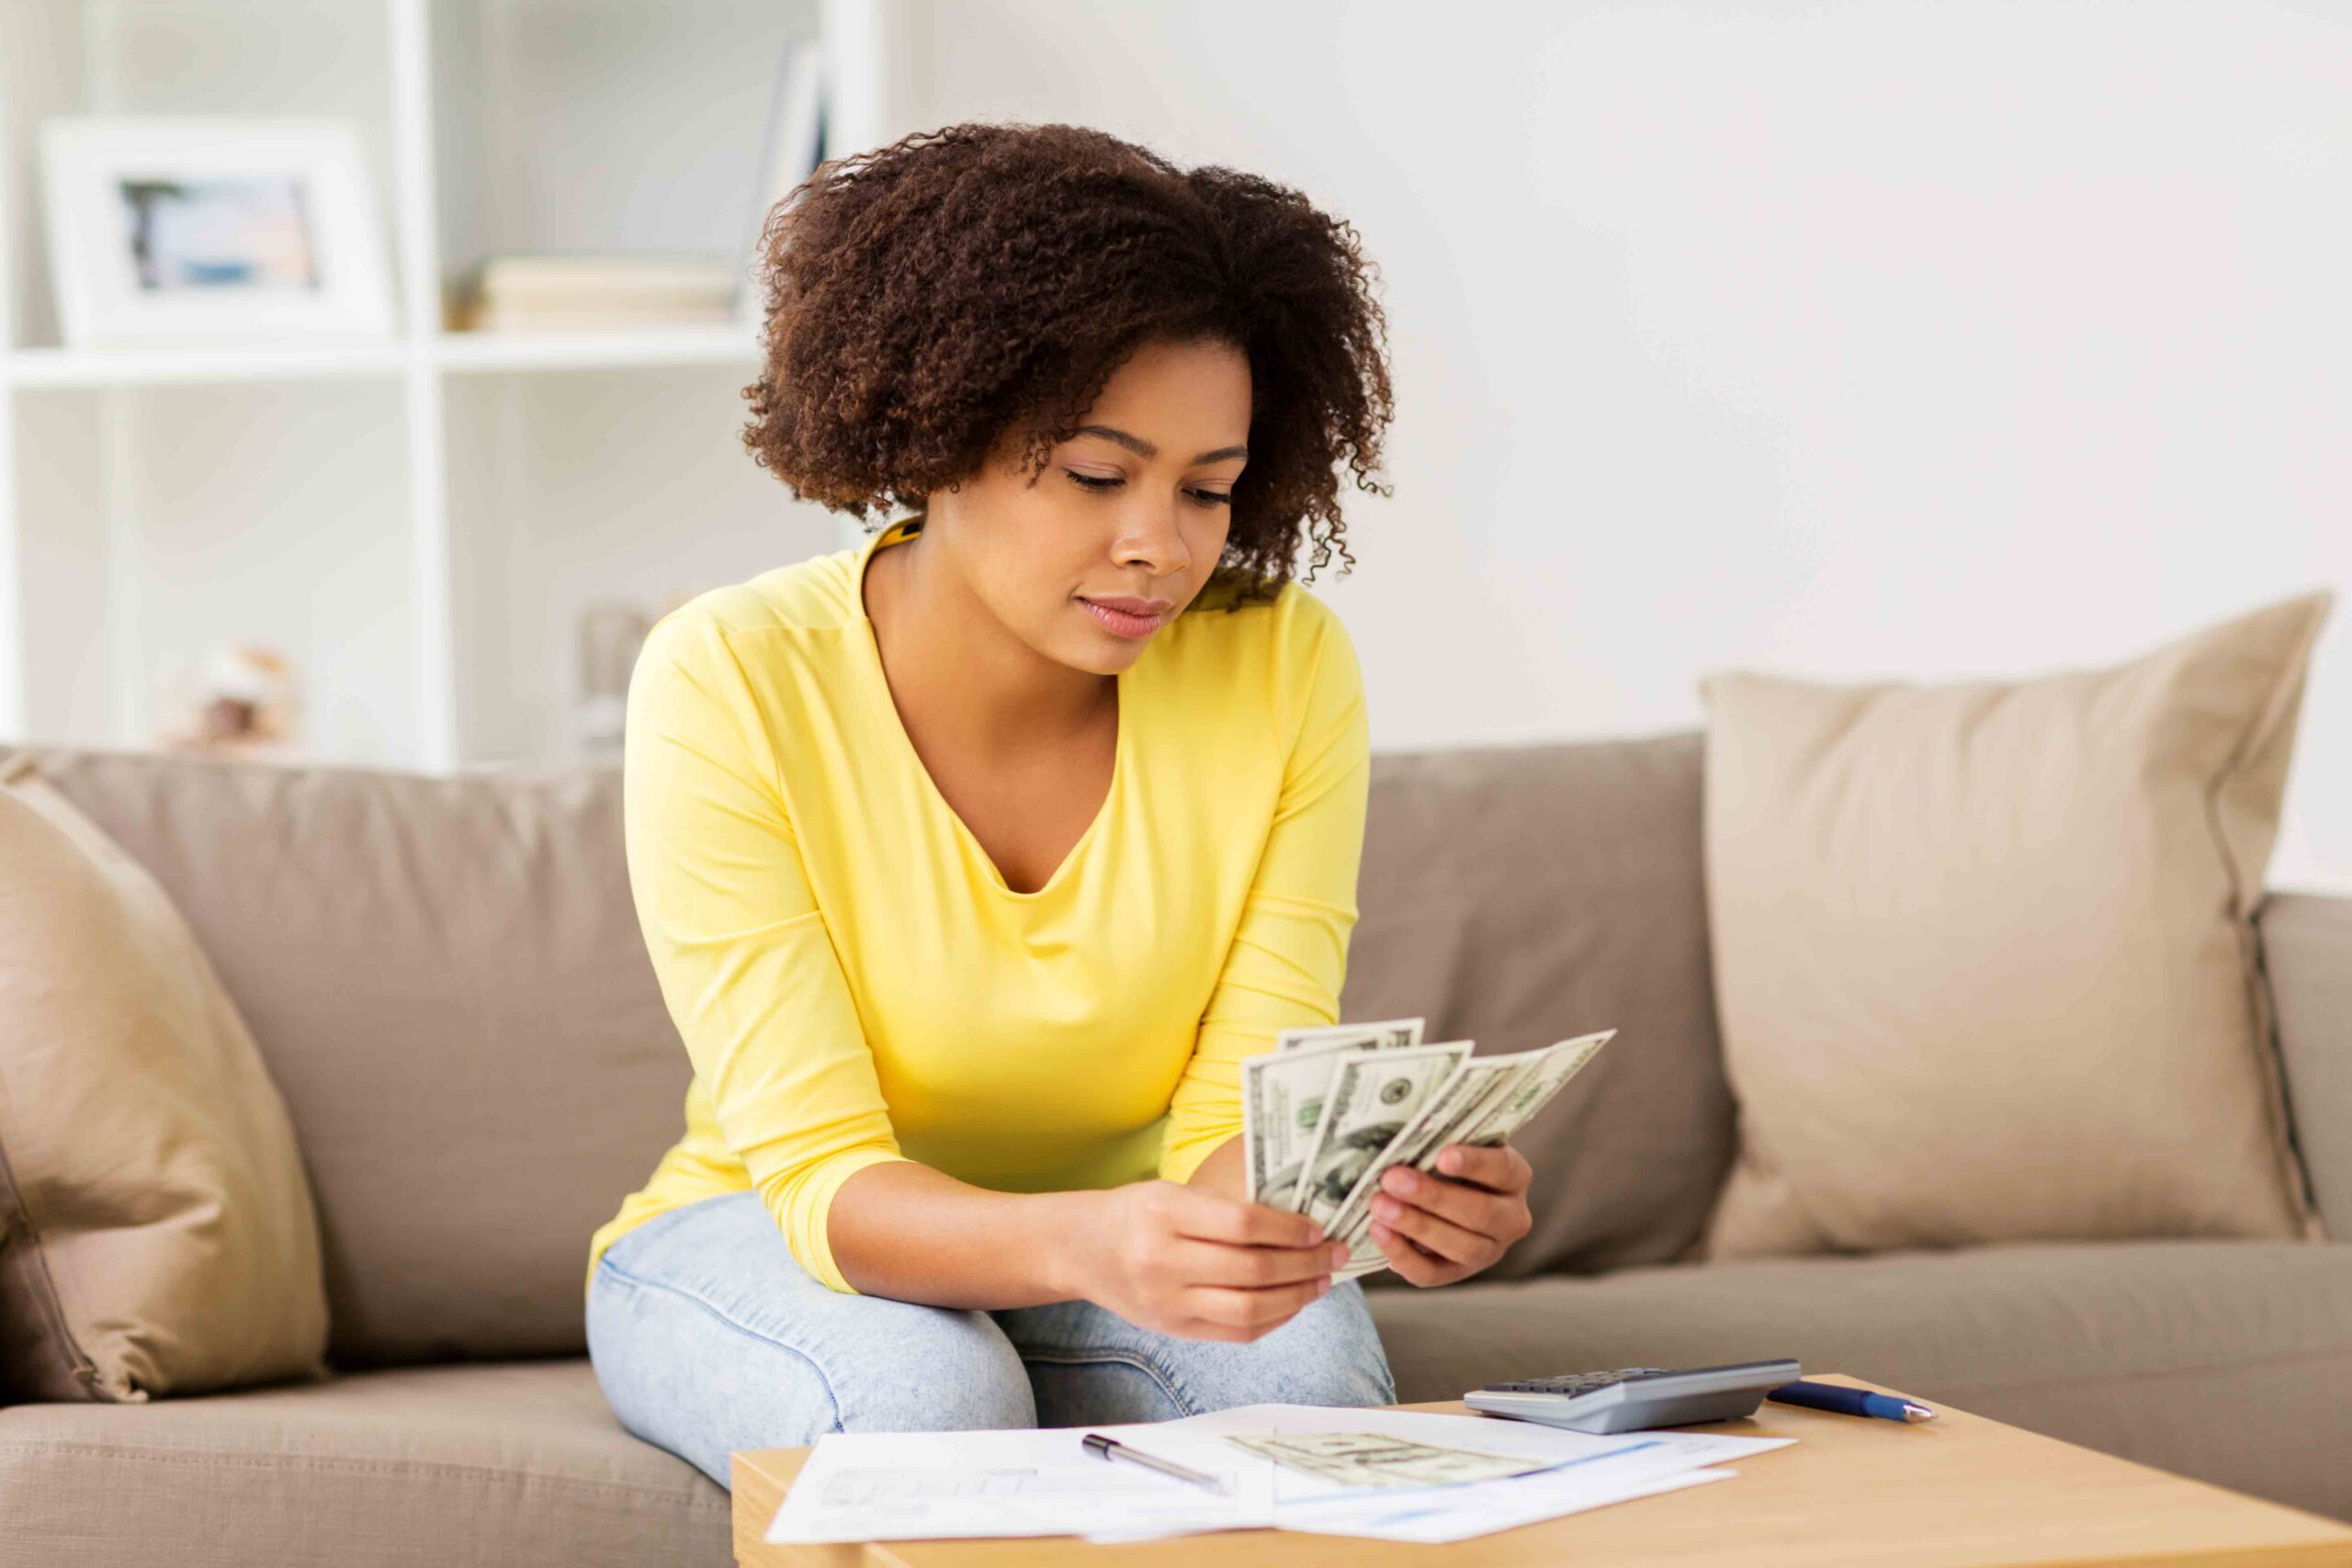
[{"x": 959, "y": 672}]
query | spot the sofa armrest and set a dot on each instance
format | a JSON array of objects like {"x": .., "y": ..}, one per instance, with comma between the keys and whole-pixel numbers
[{"x": 2307, "y": 953}]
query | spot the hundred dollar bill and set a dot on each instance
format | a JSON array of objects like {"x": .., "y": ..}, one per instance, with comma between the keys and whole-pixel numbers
[
  {"x": 1372, "y": 1460},
  {"x": 1457, "y": 1101},
  {"x": 1352, "y": 1224},
  {"x": 1505, "y": 1112},
  {"x": 1281, "y": 1099},
  {"x": 1386, "y": 1035},
  {"x": 1524, "y": 1082},
  {"x": 1364, "y": 1255},
  {"x": 1372, "y": 1096},
  {"x": 1282, "y": 1103}
]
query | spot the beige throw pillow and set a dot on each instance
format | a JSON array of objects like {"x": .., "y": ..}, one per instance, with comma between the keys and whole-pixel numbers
[
  {"x": 156, "y": 1231},
  {"x": 1983, "y": 954}
]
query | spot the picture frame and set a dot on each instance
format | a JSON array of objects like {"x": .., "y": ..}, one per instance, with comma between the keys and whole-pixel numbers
[{"x": 175, "y": 229}]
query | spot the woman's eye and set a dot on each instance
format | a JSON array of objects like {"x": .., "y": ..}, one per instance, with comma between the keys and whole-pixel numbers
[{"x": 1098, "y": 483}]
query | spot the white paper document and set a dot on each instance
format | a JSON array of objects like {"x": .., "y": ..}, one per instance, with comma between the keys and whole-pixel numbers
[
  {"x": 923, "y": 1485},
  {"x": 1457, "y": 1513},
  {"x": 885, "y": 1486}
]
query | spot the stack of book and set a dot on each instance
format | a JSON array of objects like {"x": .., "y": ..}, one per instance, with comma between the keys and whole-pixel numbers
[
  {"x": 609, "y": 291},
  {"x": 597, "y": 291}
]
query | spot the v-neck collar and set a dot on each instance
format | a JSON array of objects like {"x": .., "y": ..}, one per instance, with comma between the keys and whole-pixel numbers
[{"x": 871, "y": 656}]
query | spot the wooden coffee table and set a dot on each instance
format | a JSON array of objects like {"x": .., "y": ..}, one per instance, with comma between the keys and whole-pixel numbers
[{"x": 1956, "y": 1491}]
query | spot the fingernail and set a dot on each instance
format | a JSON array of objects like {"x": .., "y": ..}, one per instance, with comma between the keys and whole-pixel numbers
[
  {"x": 1339, "y": 1254},
  {"x": 1323, "y": 1286},
  {"x": 1386, "y": 1206},
  {"x": 1406, "y": 1180},
  {"x": 1449, "y": 1162}
]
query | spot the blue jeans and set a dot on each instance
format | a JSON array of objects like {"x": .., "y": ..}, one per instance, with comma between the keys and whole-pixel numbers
[{"x": 707, "y": 1337}]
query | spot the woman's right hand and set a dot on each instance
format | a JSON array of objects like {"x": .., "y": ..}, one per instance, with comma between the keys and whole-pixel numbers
[{"x": 1194, "y": 1263}]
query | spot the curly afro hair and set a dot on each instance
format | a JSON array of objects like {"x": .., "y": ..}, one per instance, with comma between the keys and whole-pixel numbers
[{"x": 924, "y": 298}]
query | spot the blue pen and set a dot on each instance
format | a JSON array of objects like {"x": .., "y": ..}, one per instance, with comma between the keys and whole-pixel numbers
[{"x": 1842, "y": 1400}]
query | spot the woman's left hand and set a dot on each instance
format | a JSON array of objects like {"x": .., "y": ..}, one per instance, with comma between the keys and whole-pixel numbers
[{"x": 1437, "y": 1229}]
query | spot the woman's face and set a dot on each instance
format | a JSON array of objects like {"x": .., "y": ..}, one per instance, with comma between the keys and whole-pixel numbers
[{"x": 1136, "y": 506}]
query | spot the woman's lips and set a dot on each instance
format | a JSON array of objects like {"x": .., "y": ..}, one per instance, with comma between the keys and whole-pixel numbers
[{"x": 1121, "y": 623}]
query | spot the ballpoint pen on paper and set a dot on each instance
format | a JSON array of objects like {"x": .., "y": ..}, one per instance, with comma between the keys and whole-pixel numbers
[
  {"x": 1842, "y": 1400},
  {"x": 1110, "y": 1448}
]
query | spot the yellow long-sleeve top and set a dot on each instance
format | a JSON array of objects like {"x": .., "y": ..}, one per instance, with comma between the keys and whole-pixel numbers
[{"x": 855, "y": 982}]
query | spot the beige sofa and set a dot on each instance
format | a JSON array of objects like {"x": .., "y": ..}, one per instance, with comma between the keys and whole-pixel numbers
[{"x": 446, "y": 979}]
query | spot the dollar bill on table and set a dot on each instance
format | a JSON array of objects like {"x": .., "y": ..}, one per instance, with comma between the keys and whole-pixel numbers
[
  {"x": 1281, "y": 1099},
  {"x": 1372, "y": 1097},
  {"x": 1372, "y": 1460}
]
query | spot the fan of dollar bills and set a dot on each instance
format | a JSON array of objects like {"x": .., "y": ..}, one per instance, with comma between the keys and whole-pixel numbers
[{"x": 1328, "y": 1110}]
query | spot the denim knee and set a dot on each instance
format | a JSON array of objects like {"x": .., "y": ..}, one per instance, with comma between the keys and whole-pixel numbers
[
  {"x": 1329, "y": 1354},
  {"x": 707, "y": 1337},
  {"x": 934, "y": 1369},
  {"x": 1089, "y": 1365}
]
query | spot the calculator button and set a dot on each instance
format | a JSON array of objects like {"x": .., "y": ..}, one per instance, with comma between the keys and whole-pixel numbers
[{"x": 1573, "y": 1383}]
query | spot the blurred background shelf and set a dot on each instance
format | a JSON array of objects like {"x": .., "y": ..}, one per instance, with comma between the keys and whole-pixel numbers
[
  {"x": 735, "y": 346},
  {"x": 160, "y": 367},
  {"x": 419, "y": 522},
  {"x": 455, "y": 353}
]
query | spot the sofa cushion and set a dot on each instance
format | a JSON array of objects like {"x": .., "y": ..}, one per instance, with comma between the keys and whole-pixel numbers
[
  {"x": 2230, "y": 1361},
  {"x": 1520, "y": 895},
  {"x": 445, "y": 977},
  {"x": 156, "y": 1231},
  {"x": 515, "y": 1463},
  {"x": 1985, "y": 952}
]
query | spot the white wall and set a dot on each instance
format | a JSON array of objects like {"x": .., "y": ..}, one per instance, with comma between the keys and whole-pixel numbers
[{"x": 1896, "y": 340}]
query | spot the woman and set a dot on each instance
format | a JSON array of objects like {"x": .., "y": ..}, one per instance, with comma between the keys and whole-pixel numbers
[{"x": 973, "y": 859}]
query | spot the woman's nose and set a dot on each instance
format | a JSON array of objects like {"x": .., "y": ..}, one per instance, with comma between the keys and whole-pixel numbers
[{"x": 1155, "y": 540}]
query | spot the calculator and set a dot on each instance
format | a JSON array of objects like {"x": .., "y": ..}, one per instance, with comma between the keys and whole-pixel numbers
[{"x": 1633, "y": 1398}]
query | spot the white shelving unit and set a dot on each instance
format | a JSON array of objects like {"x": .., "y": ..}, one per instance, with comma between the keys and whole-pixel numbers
[{"x": 418, "y": 523}]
